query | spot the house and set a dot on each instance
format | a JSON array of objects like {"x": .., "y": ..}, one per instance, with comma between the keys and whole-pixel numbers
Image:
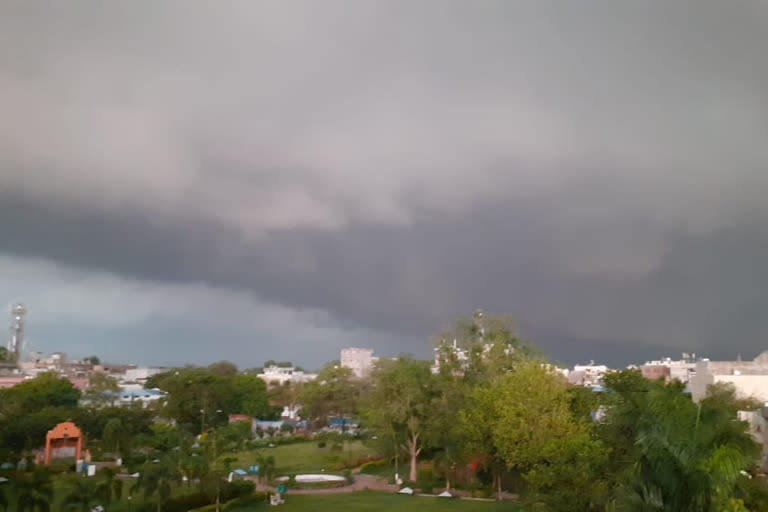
[
  {"x": 234, "y": 418},
  {"x": 342, "y": 424},
  {"x": 133, "y": 393},
  {"x": 587, "y": 374},
  {"x": 668, "y": 369},
  {"x": 359, "y": 360},
  {"x": 750, "y": 378},
  {"x": 279, "y": 375},
  {"x": 758, "y": 428}
]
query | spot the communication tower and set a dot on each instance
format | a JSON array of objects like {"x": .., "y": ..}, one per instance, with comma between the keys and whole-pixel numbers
[{"x": 16, "y": 341}]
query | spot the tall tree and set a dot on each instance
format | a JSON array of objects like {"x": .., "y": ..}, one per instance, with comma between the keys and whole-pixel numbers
[
  {"x": 334, "y": 392},
  {"x": 81, "y": 494},
  {"x": 110, "y": 486},
  {"x": 480, "y": 347},
  {"x": 34, "y": 492},
  {"x": 114, "y": 437},
  {"x": 399, "y": 403},
  {"x": 47, "y": 390},
  {"x": 102, "y": 390},
  {"x": 672, "y": 454},
  {"x": 223, "y": 368},
  {"x": 157, "y": 479},
  {"x": 250, "y": 396},
  {"x": 519, "y": 416}
]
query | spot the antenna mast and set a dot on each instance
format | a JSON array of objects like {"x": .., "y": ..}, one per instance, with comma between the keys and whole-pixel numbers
[{"x": 16, "y": 341}]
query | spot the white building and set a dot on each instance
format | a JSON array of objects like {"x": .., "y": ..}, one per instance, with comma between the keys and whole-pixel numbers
[
  {"x": 758, "y": 428},
  {"x": 588, "y": 374},
  {"x": 135, "y": 393},
  {"x": 750, "y": 378},
  {"x": 278, "y": 375},
  {"x": 359, "y": 360},
  {"x": 140, "y": 374},
  {"x": 681, "y": 369}
]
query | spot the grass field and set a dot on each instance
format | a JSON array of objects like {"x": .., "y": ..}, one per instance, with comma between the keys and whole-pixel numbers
[
  {"x": 307, "y": 457},
  {"x": 380, "y": 502}
]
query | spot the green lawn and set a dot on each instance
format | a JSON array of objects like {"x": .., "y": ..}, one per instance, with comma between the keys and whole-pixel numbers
[
  {"x": 307, "y": 457},
  {"x": 379, "y": 502}
]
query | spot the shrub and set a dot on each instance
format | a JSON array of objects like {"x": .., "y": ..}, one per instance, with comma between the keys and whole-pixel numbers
[
  {"x": 244, "y": 501},
  {"x": 348, "y": 476},
  {"x": 187, "y": 502},
  {"x": 371, "y": 467},
  {"x": 321, "y": 444},
  {"x": 425, "y": 480},
  {"x": 256, "y": 498},
  {"x": 337, "y": 447},
  {"x": 237, "y": 489}
]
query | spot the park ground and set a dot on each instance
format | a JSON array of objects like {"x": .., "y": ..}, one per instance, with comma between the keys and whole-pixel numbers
[
  {"x": 365, "y": 501},
  {"x": 308, "y": 457}
]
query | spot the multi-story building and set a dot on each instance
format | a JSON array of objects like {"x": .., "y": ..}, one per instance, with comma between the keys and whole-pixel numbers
[
  {"x": 681, "y": 369},
  {"x": 139, "y": 374},
  {"x": 587, "y": 374},
  {"x": 359, "y": 360},
  {"x": 750, "y": 378},
  {"x": 278, "y": 375}
]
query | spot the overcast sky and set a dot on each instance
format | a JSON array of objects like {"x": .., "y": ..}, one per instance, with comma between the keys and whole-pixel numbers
[{"x": 193, "y": 181}]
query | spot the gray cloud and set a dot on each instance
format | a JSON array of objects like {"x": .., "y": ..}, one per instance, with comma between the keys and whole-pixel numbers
[{"x": 597, "y": 171}]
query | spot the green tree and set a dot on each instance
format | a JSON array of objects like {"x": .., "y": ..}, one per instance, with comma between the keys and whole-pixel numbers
[
  {"x": 3, "y": 498},
  {"x": 521, "y": 417},
  {"x": 671, "y": 454},
  {"x": 81, "y": 493},
  {"x": 334, "y": 392},
  {"x": 451, "y": 392},
  {"x": 250, "y": 396},
  {"x": 34, "y": 492},
  {"x": 489, "y": 345},
  {"x": 134, "y": 420},
  {"x": 197, "y": 399},
  {"x": 157, "y": 479},
  {"x": 25, "y": 429},
  {"x": 111, "y": 487},
  {"x": 114, "y": 437},
  {"x": 223, "y": 368},
  {"x": 399, "y": 404},
  {"x": 47, "y": 390},
  {"x": 267, "y": 466},
  {"x": 94, "y": 360},
  {"x": 102, "y": 390}
]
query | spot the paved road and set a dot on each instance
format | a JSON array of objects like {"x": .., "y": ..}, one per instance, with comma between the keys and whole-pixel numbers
[{"x": 361, "y": 483}]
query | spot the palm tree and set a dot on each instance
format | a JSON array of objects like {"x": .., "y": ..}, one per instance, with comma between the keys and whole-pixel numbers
[
  {"x": 3, "y": 499},
  {"x": 266, "y": 467},
  {"x": 677, "y": 456},
  {"x": 82, "y": 494},
  {"x": 34, "y": 493},
  {"x": 110, "y": 486},
  {"x": 157, "y": 478}
]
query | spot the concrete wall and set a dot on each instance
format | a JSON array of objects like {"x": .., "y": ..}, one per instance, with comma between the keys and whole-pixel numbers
[
  {"x": 700, "y": 381},
  {"x": 359, "y": 360},
  {"x": 755, "y": 386}
]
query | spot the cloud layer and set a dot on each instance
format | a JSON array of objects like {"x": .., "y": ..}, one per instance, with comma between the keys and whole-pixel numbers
[{"x": 597, "y": 171}]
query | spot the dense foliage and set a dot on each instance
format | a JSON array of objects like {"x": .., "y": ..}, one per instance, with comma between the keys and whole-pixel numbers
[
  {"x": 492, "y": 416},
  {"x": 199, "y": 398}
]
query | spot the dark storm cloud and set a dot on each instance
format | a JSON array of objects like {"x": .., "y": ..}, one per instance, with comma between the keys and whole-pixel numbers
[{"x": 598, "y": 172}]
